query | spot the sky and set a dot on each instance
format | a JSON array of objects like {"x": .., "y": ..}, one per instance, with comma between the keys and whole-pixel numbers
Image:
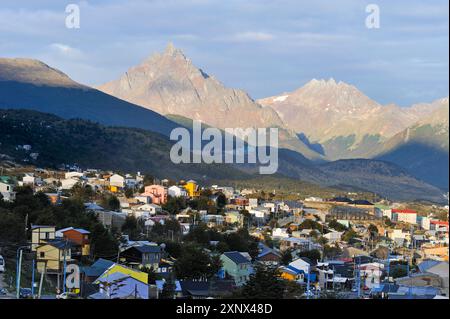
[{"x": 264, "y": 47}]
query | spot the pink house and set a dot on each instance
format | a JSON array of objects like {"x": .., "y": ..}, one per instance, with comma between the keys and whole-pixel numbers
[{"x": 158, "y": 194}]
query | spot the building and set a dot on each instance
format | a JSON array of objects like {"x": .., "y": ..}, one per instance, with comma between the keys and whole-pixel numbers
[
  {"x": 41, "y": 234},
  {"x": 52, "y": 255},
  {"x": 6, "y": 192},
  {"x": 176, "y": 191},
  {"x": 79, "y": 239},
  {"x": 143, "y": 256},
  {"x": 237, "y": 266},
  {"x": 157, "y": 193},
  {"x": 192, "y": 188},
  {"x": 404, "y": 215},
  {"x": 116, "y": 181}
]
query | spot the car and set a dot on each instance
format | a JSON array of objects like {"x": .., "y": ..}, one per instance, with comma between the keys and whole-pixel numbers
[
  {"x": 2, "y": 264},
  {"x": 3, "y": 292},
  {"x": 67, "y": 295},
  {"x": 25, "y": 293}
]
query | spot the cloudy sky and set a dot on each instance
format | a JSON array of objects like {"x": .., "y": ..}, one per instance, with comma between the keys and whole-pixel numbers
[{"x": 265, "y": 47}]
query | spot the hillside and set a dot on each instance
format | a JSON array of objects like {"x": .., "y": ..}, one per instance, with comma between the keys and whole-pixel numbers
[
  {"x": 31, "y": 84},
  {"x": 423, "y": 148}
]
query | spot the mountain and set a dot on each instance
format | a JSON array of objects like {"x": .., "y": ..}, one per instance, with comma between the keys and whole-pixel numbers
[
  {"x": 423, "y": 148},
  {"x": 341, "y": 119},
  {"x": 31, "y": 84},
  {"x": 170, "y": 84},
  {"x": 381, "y": 177}
]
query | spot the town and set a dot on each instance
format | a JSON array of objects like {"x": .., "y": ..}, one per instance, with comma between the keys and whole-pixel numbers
[{"x": 93, "y": 234}]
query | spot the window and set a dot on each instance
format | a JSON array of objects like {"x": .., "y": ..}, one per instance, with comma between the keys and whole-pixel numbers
[{"x": 42, "y": 254}]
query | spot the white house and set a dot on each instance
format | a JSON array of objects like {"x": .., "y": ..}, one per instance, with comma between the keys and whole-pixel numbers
[
  {"x": 28, "y": 179},
  {"x": 73, "y": 175},
  {"x": 117, "y": 180},
  {"x": 7, "y": 192},
  {"x": 152, "y": 209},
  {"x": 333, "y": 236},
  {"x": 301, "y": 264},
  {"x": 405, "y": 215},
  {"x": 68, "y": 183},
  {"x": 280, "y": 233},
  {"x": 176, "y": 191}
]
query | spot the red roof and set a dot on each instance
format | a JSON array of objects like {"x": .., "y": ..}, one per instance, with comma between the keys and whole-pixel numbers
[
  {"x": 439, "y": 222},
  {"x": 404, "y": 211}
]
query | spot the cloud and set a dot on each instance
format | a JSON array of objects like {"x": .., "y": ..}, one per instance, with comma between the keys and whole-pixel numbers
[
  {"x": 252, "y": 36},
  {"x": 66, "y": 51}
]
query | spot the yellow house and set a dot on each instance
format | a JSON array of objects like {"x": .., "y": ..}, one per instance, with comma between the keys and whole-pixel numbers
[
  {"x": 50, "y": 256},
  {"x": 41, "y": 234},
  {"x": 113, "y": 189},
  {"x": 290, "y": 273},
  {"x": 136, "y": 274},
  {"x": 192, "y": 188}
]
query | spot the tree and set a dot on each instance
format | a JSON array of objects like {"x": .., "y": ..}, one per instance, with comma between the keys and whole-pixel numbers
[
  {"x": 129, "y": 192},
  {"x": 131, "y": 228},
  {"x": 286, "y": 257},
  {"x": 336, "y": 225},
  {"x": 313, "y": 255},
  {"x": 168, "y": 290},
  {"x": 265, "y": 283},
  {"x": 194, "y": 263},
  {"x": 349, "y": 234},
  {"x": 110, "y": 202},
  {"x": 322, "y": 240}
]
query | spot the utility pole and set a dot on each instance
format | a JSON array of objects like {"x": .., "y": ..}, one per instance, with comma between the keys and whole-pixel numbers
[
  {"x": 19, "y": 255},
  {"x": 32, "y": 277},
  {"x": 308, "y": 283},
  {"x": 64, "y": 268},
  {"x": 41, "y": 281}
]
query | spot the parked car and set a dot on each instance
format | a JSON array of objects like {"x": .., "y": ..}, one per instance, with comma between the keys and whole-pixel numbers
[
  {"x": 67, "y": 295},
  {"x": 25, "y": 293},
  {"x": 2, "y": 264},
  {"x": 3, "y": 292}
]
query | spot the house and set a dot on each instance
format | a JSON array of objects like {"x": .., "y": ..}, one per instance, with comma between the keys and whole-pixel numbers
[
  {"x": 296, "y": 244},
  {"x": 143, "y": 256},
  {"x": 28, "y": 179},
  {"x": 237, "y": 266},
  {"x": 291, "y": 274},
  {"x": 116, "y": 182},
  {"x": 176, "y": 191},
  {"x": 158, "y": 194},
  {"x": 68, "y": 183},
  {"x": 268, "y": 256},
  {"x": 304, "y": 264},
  {"x": 404, "y": 215},
  {"x": 41, "y": 234},
  {"x": 234, "y": 217},
  {"x": 371, "y": 274},
  {"x": 80, "y": 240},
  {"x": 333, "y": 236},
  {"x": 92, "y": 272},
  {"x": 439, "y": 225},
  {"x": 116, "y": 268},
  {"x": 151, "y": 209},
  {"x": 6, "y": 192},
  {"x": 51, "y": 256},
  {"x": 118, "y": 285},
  {"x": 192, "y": 188}
]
